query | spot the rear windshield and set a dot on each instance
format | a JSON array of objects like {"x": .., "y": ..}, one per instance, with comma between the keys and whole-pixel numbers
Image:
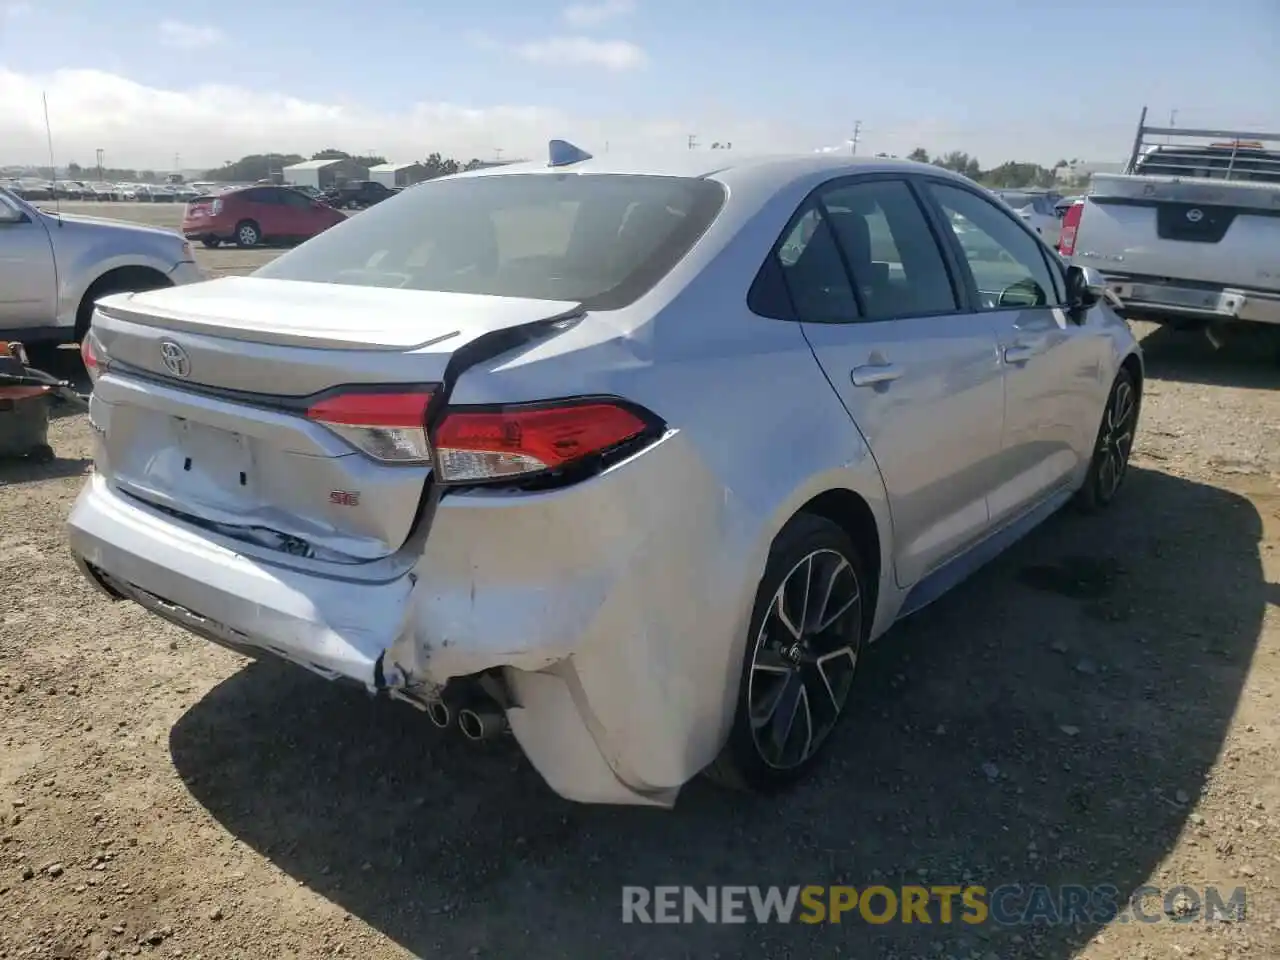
[{"x": 602, "y": 240}]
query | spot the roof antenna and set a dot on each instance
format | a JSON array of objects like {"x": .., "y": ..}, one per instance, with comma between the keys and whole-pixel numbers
[
  {"x": 562, "y": 153},
  {"x": 53, "y": 167}
]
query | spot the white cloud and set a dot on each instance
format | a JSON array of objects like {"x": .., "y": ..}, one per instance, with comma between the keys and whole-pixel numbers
[
  {"x": 209, "y": 124},
  {"x": 582, "y": 16},
  {"x": 189, "y": 36},
  {"x": 19, "y": 8},
  {"x": 614, "y": 55}
]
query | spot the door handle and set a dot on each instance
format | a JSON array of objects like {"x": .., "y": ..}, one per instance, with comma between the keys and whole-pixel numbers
[
  {"x": 873, "y": 373},
  {"x": 1019, "y": 354}
]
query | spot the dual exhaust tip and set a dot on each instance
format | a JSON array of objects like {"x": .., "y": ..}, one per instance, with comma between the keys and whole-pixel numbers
[{"x": 477, "y": 722}]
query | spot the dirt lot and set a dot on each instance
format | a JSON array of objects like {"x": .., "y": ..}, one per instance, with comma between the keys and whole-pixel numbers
[{"x": 1099, "y": 706}]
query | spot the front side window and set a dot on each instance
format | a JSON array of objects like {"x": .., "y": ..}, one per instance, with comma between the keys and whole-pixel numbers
[
  {"x": 1008, "y": 266},
  {"x": 292, "y": 198},
  {"x": 602, "y": 240}
]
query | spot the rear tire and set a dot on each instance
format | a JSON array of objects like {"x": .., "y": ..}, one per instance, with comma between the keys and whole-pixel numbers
[
  {"x": 802, "y": 650},
  {"x": 248, "y": 234},
  {"x": 213, "y": 243},
  {"x": 1113, "y": 446}
]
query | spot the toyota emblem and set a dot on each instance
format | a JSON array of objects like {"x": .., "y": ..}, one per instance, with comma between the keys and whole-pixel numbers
[
  {"x": 1195, "y": 216},
  {"x": 175, "y": 359}
]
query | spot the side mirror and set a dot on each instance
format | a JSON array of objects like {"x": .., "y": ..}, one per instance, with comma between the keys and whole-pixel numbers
[{"x": 1085, "y": 287}]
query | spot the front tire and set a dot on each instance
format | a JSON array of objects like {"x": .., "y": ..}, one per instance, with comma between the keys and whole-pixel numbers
[
  {"x": 1113, "y": 446},
  {"x": 801, "y": 653}
]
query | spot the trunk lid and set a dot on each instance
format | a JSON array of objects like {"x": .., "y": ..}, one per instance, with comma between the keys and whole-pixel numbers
[
  {"x": 1207, "y": 231},
  {"x": 219, "y": 437}
]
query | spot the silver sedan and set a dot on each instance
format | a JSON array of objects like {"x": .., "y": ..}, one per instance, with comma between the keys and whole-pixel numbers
[{"x": 629, "y": 457}]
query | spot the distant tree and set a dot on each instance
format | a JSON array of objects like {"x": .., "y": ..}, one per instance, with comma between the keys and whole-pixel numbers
[
  {"x": 74, "y": 170},
  {"x": 472, "y": 164},
  {"x": 147, "y": 176},
  {"x": 331, "y": 153},
  {"x": 919, "y": 154},
  {"x": 250, "y": 169}
]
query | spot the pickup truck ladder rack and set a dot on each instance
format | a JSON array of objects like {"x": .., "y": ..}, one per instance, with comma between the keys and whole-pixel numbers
[{"x": 1228, "y": 154}]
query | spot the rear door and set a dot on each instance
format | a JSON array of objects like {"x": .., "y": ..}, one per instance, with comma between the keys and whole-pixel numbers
[
  {"x": 1210, "y": 231},
  {"x": 264, "y": 207},
  {"x": 1051, "y": 386},
  {"x": 297, "y": 215},
  {"x": 917, "y": 371}
]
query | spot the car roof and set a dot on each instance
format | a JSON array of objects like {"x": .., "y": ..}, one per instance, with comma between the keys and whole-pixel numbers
[{"x": 713, "y": 164}]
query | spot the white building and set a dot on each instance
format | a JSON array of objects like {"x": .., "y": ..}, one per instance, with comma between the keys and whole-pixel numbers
[
  {"x": 396, "y": 174},
  {"x": 323, "y": 173}
]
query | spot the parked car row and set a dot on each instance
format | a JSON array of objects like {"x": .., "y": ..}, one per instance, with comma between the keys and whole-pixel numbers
[{"x": 34, "y": 189}]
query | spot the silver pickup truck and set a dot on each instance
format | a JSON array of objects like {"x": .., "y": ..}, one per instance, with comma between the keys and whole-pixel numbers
[
  {"x": 54, "y": 267},
  {"x": 1189, "y": 234}
]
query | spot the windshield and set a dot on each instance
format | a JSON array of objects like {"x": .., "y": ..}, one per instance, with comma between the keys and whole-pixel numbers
[{"x": 602, "y": 240}]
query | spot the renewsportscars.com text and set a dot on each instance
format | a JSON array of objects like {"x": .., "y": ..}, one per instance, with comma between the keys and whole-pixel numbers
[{"x": 1007, "y": 905}]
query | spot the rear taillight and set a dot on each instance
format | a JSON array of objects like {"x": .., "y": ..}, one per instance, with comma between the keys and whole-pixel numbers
[
  {"x": 479, "y": 445},
  {"x": 387, "y": 425},
  {"x": 1070, "y": 224},
  {"x": 93, "y": 356}
]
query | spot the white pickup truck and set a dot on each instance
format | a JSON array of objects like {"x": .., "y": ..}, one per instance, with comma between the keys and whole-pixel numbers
[
  {"x": 55, "y": 266},
  {"x": 1189, "y": 234}
]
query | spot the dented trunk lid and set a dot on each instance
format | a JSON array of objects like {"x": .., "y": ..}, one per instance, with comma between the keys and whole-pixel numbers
[{"x": 219, "y": 439}]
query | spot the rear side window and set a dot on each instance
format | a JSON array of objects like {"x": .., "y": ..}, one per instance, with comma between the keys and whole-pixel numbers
[
  {"x": 856, "y": 251},
  {"x": 891, "y": 251},
  {"x": 813, "y": 273},
  {"x": 602, "y": 240}
]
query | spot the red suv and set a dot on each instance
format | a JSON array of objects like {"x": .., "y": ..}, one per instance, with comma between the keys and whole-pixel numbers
[{"x": 255, "y": 215}]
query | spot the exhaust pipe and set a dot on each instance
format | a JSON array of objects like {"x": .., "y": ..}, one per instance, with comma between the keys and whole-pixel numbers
[
  {"x": 440, "y": 713},
  {"x": 480, "y": 723}
]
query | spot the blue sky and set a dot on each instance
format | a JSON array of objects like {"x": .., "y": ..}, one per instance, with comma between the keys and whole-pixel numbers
[{"x": 1002, "y": 79}]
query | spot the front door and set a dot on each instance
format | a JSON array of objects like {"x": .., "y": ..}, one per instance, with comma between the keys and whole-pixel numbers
[
  {"x": 919, "y": 375},
  {"x": 1052, "y": 365},
  {"x": 28, "y": 278}
]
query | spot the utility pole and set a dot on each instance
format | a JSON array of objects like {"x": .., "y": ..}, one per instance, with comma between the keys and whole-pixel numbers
[
  {"x": 99, "y": 164},
  {"x": 693, "y": 140},
  {"x": 497, "y": 154},
  {"x": 857, "y": 132}
]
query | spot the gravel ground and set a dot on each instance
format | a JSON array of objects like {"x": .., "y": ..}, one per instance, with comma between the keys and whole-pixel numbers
[{"x": 1098, "y": 706}]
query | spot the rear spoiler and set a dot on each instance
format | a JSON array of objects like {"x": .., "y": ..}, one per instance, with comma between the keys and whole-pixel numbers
[{"x": 1248, "y": 156}]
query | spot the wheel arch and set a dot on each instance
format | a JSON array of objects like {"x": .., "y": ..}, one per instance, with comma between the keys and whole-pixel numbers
[
  {"x": 117, "y": 280},
  {"x": 851, "y": 513}
]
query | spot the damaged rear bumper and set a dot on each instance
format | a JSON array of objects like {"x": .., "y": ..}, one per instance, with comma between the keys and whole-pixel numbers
[
  {"x": 585, "y": 610},
  {"x": 213, "y": 591}
]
